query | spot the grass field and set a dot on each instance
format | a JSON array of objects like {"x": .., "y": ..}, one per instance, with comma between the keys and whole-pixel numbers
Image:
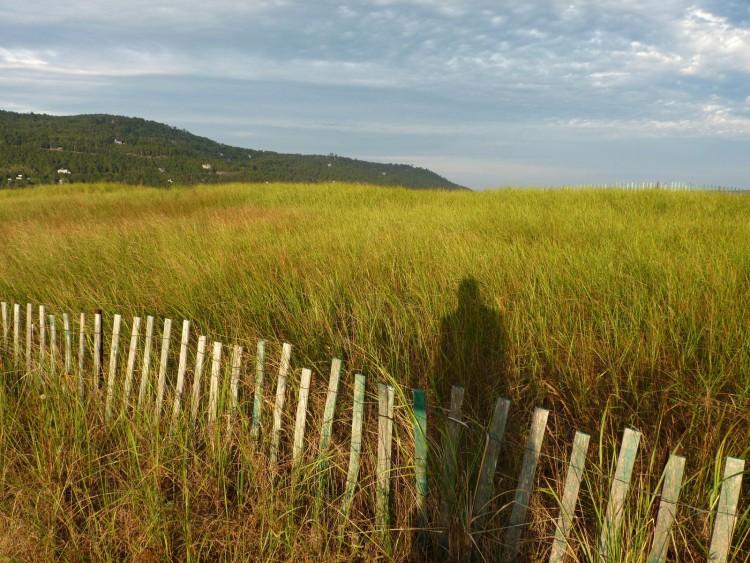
[{"x": 608, "y": 307}]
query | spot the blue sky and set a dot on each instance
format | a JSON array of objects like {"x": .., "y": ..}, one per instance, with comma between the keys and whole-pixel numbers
[{"x": 486, "y": 93}]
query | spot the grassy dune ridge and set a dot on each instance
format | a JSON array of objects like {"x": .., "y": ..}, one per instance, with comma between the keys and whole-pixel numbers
[{"x": 609, "y": 307}]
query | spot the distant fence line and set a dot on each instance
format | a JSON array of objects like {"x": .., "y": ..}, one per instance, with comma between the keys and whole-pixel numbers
[
  {"x": 39, "y": 351},
  {"x": 667, "y": 186}
]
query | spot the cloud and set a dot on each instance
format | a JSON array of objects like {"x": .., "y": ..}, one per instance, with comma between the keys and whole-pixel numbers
[
  {"x": 714, "y": 45},
  {"x": 433, "y": 72}
]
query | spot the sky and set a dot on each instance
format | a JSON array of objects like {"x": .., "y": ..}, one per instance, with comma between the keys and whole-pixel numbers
[{"x": 485, "y": 93}]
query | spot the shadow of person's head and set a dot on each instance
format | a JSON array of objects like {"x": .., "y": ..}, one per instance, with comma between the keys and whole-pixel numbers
[{"x": 473, "y": 347}]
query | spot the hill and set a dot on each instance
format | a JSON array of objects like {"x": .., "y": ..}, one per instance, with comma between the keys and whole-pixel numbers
[{"x": 38, "y": 148}]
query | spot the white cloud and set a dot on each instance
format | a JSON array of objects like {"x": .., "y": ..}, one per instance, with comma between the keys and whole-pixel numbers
[
  {"x": 713, "y": 45},
  {"x": 22, "y": 58}
]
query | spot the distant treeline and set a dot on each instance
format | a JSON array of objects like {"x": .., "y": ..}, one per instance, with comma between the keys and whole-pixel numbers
[{"x": 46, "y": 149}]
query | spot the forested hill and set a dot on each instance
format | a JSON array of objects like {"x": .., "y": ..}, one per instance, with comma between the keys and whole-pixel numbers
[{"x": 38, "y": 148}]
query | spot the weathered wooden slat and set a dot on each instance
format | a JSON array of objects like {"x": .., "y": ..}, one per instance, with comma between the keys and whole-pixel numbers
[
  {"x": 494, "y": 440},
  {"x": 42, "y": 335},
  {"x": 68, "y": 337},
  {"x": 29, "y": 335},
  {"x": 726, "y": 511},
  {"x": 146, "y": 362},
  {"x": 570, "y": 497},
  {"x": 619, "y": 491},
  {"x": 196, "y": 395},
  {"x": 234, "y": 387},
  {"x": 165, "y": 341},
  {"x": 181, "y": 369},
  {"x": 420, "y": 458},
  {"x": 326, "y": 431},
  {"x": 260, "y": 359},
  {"x": 278, "y": 411},
  {"x": 81, "y": 356},
  {"x": 356, "y": 445},
  {"x": 16, "y": 335},
  {"x": 52, "y": 344},
  {"x": 4, "y": 309},
  {"x": 213, "y": 392},
  {"x": 112, "y": 367},
  {"x": 298, "y": 445},
  {"x": 670, "y": 494},
  {"x": 130, "y": 370},
  {"x": 386, "y": 396},
  {"x": 98, "y": 343},
  {"x": 450, "y": 455},
  {"x": 326, "y": 427},
  {"x": 517, "y": 520}
]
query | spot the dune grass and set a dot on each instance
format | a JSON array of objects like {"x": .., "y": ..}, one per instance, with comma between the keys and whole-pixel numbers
[{"x": 608, "y": 307}]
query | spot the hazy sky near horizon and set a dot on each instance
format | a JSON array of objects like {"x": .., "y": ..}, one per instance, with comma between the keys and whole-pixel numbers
[{"x": 485, "y": 93}]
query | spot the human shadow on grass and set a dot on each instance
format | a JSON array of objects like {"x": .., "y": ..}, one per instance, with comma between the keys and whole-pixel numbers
[{"x": 473, "y": 350}]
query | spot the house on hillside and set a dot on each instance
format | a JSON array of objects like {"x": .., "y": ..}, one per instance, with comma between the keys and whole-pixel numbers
[
  {"x": 63, "y": 171},
  {"x": 206, "y": 167}
]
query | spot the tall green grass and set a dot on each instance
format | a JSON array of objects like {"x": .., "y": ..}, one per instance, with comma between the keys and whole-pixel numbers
[{"x": 586, "y": 302}]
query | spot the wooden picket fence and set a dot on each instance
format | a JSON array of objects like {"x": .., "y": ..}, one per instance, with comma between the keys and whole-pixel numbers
[{"x": 51, "y": 352}]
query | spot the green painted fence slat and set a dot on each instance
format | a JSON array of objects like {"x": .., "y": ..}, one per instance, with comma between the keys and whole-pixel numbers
[{"x": 420, "y": 458}]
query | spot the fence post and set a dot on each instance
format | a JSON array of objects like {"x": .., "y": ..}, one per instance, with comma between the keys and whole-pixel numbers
[
  {"x": 569, "y": 497},
  {"x": 199, "y": 360},
  {"x": 132, "y": 352},
  {"x": 670, "y": 493},
  {"x": 181, "y": 369},
  {"x": 68, "y": 344},
  {"x": 29, "y": 331},
  {"x": 112, "y": 368},
  {"x": 98, "y": 348},
  {"x": 525, "y": 484},
  {"x": 165, "y": 341},
  {"x": 146, "y": 361},
  {"x": 234, "y": 387},
  {"x": 386, "y": 396},
  {"x": 81, "y": 352},
  {"x": 213, "y": 394},
  {"x": 326, "y": 431},
  {"x": 326, "y": 428},
  {"x": 420, "y": 461},
  {"x": 260, "y": 359},
  {"x": 278, "y": 411},
  {"x": 726, "y": 511},
  {"x": 487, "y": 469},
  {"x": 52, "y": 344},
  {"x": 298, "y": 446},
  {"x": 16, "y": 335},
  {"x": 5, "y": 323},
  {"x": 450, "y": 453},
  {"x": 619, "y": 490},
  {"x": 356, "y": 446},
  {"x": 42, "y": 334}
]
